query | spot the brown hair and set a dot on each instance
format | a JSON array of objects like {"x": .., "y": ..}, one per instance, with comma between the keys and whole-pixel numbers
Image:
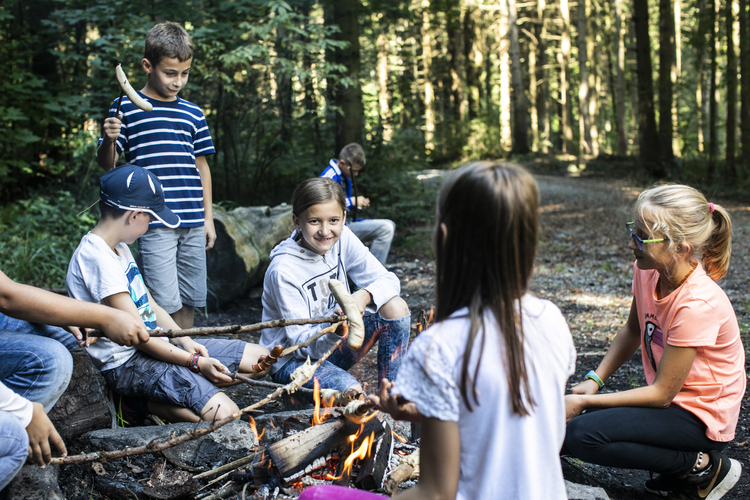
[
  {"x": 682, "y": 214},
  {"x": 314, "y": 191},
  {"x": 484, "y": 258},
  {"x": 168, "y": 40},
  {"x": 353, "y": 154}
]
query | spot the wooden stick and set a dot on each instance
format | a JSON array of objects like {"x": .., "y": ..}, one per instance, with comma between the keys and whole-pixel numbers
[
  {"x": 312, "y": 339},
  {"x": 230, "y": 466},
  {"x": 230, "y": 329},
  {"x": 300, "y": 376}
]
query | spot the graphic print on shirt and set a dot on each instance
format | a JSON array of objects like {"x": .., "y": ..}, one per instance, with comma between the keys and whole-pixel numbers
[
  {"x": 319, "y": 296},
  {"x": 653, "y": 334},
  {"x": 138, "y": 295}
]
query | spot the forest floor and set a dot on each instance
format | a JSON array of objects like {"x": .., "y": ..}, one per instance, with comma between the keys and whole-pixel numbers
[{"x": 585, "y": 268}]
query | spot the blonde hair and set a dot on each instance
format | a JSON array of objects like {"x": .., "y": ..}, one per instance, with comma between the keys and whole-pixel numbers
[{"x": 682, "y": 214}]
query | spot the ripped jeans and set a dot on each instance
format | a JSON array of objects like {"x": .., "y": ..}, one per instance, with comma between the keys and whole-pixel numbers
[{"x": 392, "y": 336}]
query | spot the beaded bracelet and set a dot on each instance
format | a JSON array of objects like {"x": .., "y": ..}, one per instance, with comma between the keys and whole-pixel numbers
[{"x": 593, "y": 376}]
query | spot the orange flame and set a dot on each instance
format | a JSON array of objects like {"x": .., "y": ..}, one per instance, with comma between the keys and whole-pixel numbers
[
  {"x": 254, "y": 429},
  {"x": 316, "y": 397},
  {"x": 362, "y": 452},
  {"x": 398, "y": 437}
]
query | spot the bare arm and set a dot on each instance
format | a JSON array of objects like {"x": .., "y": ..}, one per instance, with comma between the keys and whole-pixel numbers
[
  {"x": 625, "y": 343},
  {"x": 39, "y": 306},
  {"x": 168, "y": 352},
  {"x": 105, "y": 153},
  {"x": 440, "y": 461},
  {"x": 673, "y": 369},
  {"x": 208, "y": 225}
]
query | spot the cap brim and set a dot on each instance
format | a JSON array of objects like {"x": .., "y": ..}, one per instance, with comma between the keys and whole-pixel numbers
[{"x": 166, "y": 217}]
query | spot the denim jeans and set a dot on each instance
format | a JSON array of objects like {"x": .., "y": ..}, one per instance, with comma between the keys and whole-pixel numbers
[
  {"x": 37, "y": 368},
  {"x": 14, "y": 447},
  {"x": 53, "y": 332},
  {"x": 378, "y": 231},
  {"x": 392, "y": 336}
]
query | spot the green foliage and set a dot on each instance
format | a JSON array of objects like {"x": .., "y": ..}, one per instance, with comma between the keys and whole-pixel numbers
[{"x": 40, "y": 235}]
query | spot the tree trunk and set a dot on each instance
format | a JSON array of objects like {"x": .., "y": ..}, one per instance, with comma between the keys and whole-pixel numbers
[
  {"x": 594, "y": 80},
  {"x": 745, "y": 89},
  {"x": 385, "y": 114},
  {"x": 564, "y": 61},
  {"x": 666, "y": 49},
  {"x": 506, "y": 140},
  {"x": 542, "y": 78},
  {"x": 520, "y": 132},
  {"x": 622, "y": 133},
  {"x": 584, "y": 118},
  {"x": 429, "y": 93},
  {"x": 533, "y": 113},
  {"x": 713, "y": 111},
  {"x": 731, "y": 98},
  {"x": 700, "y": 90},
  {"x": 676, "y": 29},
  {"x": 349, "y": 122},
  {"x": 469, "y": 63},
  {"x": 649, "y": 140}
]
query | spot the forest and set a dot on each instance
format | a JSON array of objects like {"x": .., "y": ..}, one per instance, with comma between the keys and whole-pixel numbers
[{"x": 420, "y": 83}]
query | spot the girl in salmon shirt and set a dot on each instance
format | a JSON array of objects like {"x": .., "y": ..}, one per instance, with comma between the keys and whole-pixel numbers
[{"x": 681, "y": 422}]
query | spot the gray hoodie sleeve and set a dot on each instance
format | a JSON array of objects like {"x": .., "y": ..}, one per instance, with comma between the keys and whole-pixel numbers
[
  {"x": 367, "y": 272},
  {"x": 283, "y": 298}
]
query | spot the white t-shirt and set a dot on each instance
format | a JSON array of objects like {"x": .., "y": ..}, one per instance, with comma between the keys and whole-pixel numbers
[
  {"x": 96, "y": 272},
  {"x": 503, "y": 455}
]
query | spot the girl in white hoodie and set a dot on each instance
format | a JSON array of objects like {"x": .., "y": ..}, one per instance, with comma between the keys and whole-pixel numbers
[{"x": 296, "y": 286}]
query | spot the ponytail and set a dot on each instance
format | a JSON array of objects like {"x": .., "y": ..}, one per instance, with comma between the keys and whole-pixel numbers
[{"x": 718, "y": 247}]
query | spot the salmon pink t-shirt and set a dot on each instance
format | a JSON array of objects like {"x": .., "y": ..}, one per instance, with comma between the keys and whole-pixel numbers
[{"x": 697, "y": 314}]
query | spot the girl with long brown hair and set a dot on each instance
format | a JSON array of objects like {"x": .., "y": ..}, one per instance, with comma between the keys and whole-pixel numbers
[{"x": 487, "y": 381}]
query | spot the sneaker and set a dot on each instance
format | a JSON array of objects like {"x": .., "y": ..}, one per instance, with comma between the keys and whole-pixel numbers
[
  {"x": 129, "y": 411},
  {"x": 724, "y": 475},
  {"x": 663, "y": 484}
]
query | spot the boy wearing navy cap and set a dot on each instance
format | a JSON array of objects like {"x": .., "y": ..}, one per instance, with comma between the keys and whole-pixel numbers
[{"x": 177, "y": 378}]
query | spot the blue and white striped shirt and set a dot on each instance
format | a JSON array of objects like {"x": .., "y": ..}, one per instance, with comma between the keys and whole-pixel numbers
[{"x": 166, "y": 141}]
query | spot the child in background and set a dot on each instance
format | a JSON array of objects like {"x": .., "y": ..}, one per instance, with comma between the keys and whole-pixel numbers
[
  {"x": 487, "y": 381},
  {"x": 296, "y": 286},
  {"x": 178, "y": 378},
  {"x": 377, "y": 231},
  {"x": 172, "y": 141},
  {"x": 679, "y": 424}
]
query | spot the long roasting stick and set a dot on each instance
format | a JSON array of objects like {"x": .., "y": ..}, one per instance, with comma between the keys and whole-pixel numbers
[
  {"x": 301, "y": 375},
  {"x": 230, "y": 329}
]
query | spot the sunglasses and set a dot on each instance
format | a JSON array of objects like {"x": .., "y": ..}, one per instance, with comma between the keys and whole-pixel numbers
[{"x": 637, "y": 239}]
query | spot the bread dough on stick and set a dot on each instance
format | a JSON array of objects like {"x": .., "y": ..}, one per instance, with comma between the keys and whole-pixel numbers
[
  {"x": 353, "y": 316},
  {"x": 136, "y": 99}
]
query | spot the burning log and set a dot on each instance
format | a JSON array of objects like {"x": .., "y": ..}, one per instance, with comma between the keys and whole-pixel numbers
[
  {"x": 372, "y": 470},
  {"x": 295, "y": 454},
  {"x": 408, "y": 468}
]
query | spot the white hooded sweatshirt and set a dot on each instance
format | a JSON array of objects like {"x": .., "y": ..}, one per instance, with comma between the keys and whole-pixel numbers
[{"x": 296, "y": 286}]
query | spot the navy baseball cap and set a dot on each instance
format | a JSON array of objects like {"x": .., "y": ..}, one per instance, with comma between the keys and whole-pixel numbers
[{"x": 130, "y": 187}]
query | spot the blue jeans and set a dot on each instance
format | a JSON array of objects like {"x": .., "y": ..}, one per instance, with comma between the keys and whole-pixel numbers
[
  {"x": 14, "y": 447},
  {"x": 392, "y": 336},
  {"x": 38, "y": 369},
  {"x": 53, "y": 332},
  {"x": 378, "y": 231}
]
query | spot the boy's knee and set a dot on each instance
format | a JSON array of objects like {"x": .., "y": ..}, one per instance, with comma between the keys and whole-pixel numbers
[
  {"x": 218, "y": 407},
  {"x": 14, "y": 447},
  {"x": 387, "y": 229},
  {"x": 396, "y": 308}
]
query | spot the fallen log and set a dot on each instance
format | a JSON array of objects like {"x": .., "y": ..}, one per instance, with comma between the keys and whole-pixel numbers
[{"x": 372, "y": 469}]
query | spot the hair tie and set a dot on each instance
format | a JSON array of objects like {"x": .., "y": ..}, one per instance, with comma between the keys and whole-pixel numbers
[{"x": 711, "y": 207}]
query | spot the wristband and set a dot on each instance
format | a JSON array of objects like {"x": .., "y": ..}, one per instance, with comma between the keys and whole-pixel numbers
[
  {"x": 593, "y": 376},
  {"x": 193, "y": 363}
]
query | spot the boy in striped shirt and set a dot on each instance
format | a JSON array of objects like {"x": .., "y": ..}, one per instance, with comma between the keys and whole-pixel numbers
[{"x": 172, "y": 142}]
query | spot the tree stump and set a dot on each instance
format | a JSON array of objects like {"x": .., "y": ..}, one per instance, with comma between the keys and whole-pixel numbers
[{"x": 240, "y": 257}]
